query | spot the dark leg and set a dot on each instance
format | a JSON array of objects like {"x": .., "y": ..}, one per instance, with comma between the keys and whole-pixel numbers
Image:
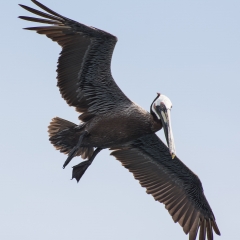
[
  {"x": 72, "y": 153},
  {"x": 80, "y": 169}
]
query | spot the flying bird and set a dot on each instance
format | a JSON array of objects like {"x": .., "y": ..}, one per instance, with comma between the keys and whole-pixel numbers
[{"x": 109, "y": 119}]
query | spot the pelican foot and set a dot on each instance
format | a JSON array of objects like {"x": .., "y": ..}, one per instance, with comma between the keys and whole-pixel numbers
[
  {"x": 73, "y": 152},
  {"x": 80, "y": 169}
]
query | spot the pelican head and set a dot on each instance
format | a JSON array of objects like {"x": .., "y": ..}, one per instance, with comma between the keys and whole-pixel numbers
[{"x": 161, "y": 107}]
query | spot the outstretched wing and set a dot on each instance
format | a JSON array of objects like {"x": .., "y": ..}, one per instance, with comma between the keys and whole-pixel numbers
[
  {"x": 170, "y": 182},
  {"x": 84, "y": 74}
]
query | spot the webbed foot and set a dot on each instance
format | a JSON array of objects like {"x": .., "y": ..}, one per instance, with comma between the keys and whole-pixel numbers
[
  {"x": 80, "y": 169},
  {"x": 73, "y": 152}
]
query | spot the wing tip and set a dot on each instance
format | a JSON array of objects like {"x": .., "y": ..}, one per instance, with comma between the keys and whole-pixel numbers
[
  {"x": 29, "y": 28},
  {"x": 26, "y": 7},
  {"x": 22, "y": 17},
  {"x": 215, "y": 228}
]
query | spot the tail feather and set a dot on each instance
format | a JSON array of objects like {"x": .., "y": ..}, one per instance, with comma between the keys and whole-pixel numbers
[
  {"x": 64, "y": 137},
  {"x": 85, "y": 152}
]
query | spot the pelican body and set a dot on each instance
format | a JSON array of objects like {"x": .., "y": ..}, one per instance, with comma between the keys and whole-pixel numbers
[
  {"x": 109, "y": 119},
  {"x": 112, "y": 129}
]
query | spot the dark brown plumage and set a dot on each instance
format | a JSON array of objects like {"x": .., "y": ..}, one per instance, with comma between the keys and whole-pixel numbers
[
  {"x": 110, "y": 120},
  {"x": 170, "y": 182}
]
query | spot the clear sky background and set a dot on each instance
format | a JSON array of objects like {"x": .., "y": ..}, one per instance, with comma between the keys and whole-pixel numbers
[{"x": 188, "y": 50}]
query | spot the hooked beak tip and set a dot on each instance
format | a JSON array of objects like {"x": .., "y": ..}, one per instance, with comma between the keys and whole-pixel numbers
[{"x": 173, "y": 155}]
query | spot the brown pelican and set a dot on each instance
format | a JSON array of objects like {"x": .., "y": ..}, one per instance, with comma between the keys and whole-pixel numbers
[{"x": 110, "y": 120}]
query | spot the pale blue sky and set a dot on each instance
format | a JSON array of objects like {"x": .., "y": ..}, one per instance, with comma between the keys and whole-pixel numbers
[{"x": 187, "y": 50}]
